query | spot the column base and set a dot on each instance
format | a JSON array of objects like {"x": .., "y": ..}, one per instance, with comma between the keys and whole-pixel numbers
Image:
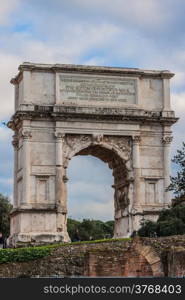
[
  {"x": 37, "y": 239},
  {"x": 38, "y": 227},
  {"x": 128, "y": 222}
]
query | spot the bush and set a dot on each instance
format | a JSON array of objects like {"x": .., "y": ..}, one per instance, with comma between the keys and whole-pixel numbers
[
  {"x": 23, "y": 254},
  {"x": 171, "y": 226},
  {"x": 170, "y": 222},
  {"x": 5, "y": 208},
  {"x": 148, "y": 228}
]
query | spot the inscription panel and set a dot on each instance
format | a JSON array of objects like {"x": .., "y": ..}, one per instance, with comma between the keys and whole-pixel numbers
[{"x": 79, "y": 88}]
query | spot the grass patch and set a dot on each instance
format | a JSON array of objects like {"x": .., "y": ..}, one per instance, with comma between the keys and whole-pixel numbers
[{"x": 100, "y": 241}]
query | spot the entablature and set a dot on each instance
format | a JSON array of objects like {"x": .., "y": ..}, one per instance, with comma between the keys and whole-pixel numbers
[{"x": 91, "y": 113}]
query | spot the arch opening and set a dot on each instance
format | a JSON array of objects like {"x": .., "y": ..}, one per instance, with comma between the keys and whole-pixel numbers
[
  {"x": 90, "y": 192},
  {"x": 120, "y": 185}
]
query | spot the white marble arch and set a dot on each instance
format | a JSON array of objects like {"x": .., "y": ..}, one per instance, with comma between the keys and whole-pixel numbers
[{"x": 123, "y": 116}]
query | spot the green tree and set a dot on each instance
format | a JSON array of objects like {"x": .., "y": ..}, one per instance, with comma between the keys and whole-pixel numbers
[
  {"x": 5, "y": 208},
  {"x": 72, "y": 228},
  {"x": 89, "y": 229},
  {"x": 109, "y": 229},
  {"x": 170, "y": 222},
  {"x": 148, "y": 228},
  {"x": 177, "y": 184}
]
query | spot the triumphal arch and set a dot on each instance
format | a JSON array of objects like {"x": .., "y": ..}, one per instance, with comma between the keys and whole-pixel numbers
[{"x": 120, "y": 115}]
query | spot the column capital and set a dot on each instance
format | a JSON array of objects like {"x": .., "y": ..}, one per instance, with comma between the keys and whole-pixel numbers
[
  {"x": 59, "y": 135},
  {"x": 26, "y": 134},
  {"x": 136, "y": 139},
  {"x": 167, "y": 139}
]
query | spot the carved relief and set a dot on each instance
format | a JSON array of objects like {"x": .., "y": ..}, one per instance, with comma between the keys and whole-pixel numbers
[
  {"x": 74, "y": 143},
  {"x": 122, "y": 144},
  {"x": 121, "y": 198},
  {"x": 97, "y": 138}
]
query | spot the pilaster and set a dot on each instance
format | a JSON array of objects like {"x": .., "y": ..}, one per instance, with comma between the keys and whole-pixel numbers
[
  {"x": 166, "y": 140},
  {"x": 26, "y": 135},
  {"x": 137, "y": 171},
  {"x": 61, "y": 188},
  {"x": 15, "y": 143}
]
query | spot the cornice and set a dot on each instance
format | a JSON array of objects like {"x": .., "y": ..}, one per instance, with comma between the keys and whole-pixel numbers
[{"x": 71, "y": 68}]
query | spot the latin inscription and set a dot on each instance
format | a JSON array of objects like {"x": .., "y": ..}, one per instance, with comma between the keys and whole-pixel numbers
[{"x": 97, "y": 88}]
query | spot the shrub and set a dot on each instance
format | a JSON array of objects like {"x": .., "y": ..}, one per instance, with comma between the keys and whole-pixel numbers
[{"x": 23, "y": 254}]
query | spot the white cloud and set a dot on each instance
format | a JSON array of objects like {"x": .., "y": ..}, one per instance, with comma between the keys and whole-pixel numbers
[
  {"x": 6, "y": 7},
  {"x": 92, "y": 210},
  {"x": 5, "y": 134},
  {"x": 89, "y": 208},
  {"x": 145, "y": 13},
  {"x": 6, "y": 181},
  {"x": 9, "y": 64},
  {"x": 90, "y": 194},
  {"x": 98, "y": 192},
  {"x": 178, "y": 105}
]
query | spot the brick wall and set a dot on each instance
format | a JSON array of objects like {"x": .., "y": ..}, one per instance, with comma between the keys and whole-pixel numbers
[{"x": 138, "y": 257}]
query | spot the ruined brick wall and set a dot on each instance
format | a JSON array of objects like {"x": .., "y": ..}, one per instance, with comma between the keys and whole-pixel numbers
[
  {"x": 134, "y": 258},
  {"x": 113, "y": 263}
]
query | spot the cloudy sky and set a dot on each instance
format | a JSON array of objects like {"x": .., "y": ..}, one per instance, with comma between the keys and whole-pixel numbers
[{"x": 136, "y": 33}]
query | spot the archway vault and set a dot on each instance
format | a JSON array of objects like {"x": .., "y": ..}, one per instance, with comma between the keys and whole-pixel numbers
[{"x": 116, "y": 152}]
